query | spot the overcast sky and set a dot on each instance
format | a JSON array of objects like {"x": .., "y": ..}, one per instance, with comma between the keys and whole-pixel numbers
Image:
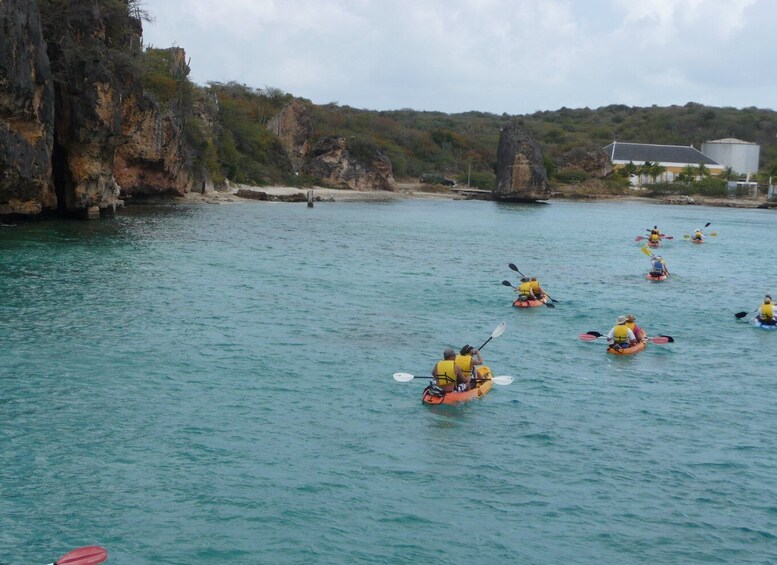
[{"x": 513, "y": 56}]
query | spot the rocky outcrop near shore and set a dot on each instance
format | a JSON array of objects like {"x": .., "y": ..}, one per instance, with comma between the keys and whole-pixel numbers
[
  {"x": 26, "y": 112},
  {"x": 595, "y": 163},
  {"x": 520, "y": 170}
]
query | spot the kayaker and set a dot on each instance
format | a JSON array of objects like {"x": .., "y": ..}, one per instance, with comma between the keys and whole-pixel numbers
[
  {"x": 447, "y": 374},
  {"x": 698, "y": 236},
  {"x": 658, "y": 267},
  {"x": 525, "y": 291},
  {"x": 766, "y": 314},
  {"x": 631, "y": 323},
  {"x": 655, "y": 235},
  {"x": 536, "y": 288},
  {"x": 620, "y": 335},
  {"x": 467, "y": 359}
]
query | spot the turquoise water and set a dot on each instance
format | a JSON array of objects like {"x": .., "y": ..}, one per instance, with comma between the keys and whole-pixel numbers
[{"x": 212, "y": 384}]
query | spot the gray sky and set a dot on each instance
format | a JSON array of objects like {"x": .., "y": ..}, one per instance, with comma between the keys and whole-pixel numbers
[{"x": 513, "y": 56}]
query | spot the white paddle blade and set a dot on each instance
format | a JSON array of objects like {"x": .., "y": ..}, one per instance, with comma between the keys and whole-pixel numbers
[
  {"x": 403, "y": 377},
  {"x": 500, "y": 329},
  {"x": 502, "y": 380}
]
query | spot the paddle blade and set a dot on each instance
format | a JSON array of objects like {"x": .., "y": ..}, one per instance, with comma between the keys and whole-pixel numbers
[
  {"x": 595, "y": 334},
  {"x": 646, "y": 251},
  {"x": 639, "y": 238},
  {"x": 499, "y": 330},
  {"x": 707, "y": 224},
  {"x": 514, "y": 268},
  {"x": 507, "y": 283},
  {"x": 658, "y": 340},
  {"x": 549, "y": 305},
  {"x": 669, "y": 237},
  {"x": 668, "y": 337},
  {"x": 686, "y": 236},
  {"x": 714, "y": 234},
  {"x": 403, "y": 377},
  {"x": 502, "y": 380},
  {"x": 89, "y": 555},
  {"x": 740, "y": 315},
  {"x": 587, "y": 337}
]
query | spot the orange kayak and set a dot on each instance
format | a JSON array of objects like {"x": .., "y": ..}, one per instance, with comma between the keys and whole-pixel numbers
[
  {"x": 652, "y": 278},
  {"x": 483, "y": 386},
  {"x": 628, "y": 350},
  {"x": 697, "y": 241},
  {"x": 530, "y": 303},
  {"x": 654, "y": 244}
]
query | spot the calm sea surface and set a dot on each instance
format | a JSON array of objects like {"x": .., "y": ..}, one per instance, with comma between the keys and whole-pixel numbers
[{"x": 212, "y": 384}]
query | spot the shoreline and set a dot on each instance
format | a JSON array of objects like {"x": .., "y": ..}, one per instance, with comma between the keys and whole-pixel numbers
[{"x": 408, "y": 191}]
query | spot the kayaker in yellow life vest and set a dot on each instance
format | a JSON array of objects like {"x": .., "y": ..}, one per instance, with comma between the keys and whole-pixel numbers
[
  {"x": 536, "y": 288},
  {"x": 447, "y": 373},
  {"x": 621, "y": 335},
  {"x": 698, "y": 236},
  {"x": 525, "y": 290},
  {"x": 766, "y": 314},
  {"x": 631, "y": 323},
  {"x": 655, "y": 235},
  {"x": 467, "y": 359}
]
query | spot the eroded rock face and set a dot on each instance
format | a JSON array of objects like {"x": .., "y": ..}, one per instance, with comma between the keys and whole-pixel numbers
[
  {"x": 26, "y": 112},
  {"x": 594, "y": 163},
  {"x": 520, "y": 175},
  {"x": 293, "y": 128},
  {"x": 331, "y": 160}
]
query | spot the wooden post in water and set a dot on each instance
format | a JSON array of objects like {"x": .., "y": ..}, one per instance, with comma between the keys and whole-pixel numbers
[{"x": 310, "y": 198}]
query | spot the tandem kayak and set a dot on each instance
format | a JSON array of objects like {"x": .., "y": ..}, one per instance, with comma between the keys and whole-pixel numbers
[
  {"x": 483, "y": 385},
  {"x": 518, "y": 303},
  {"x": 763, "y": 326},
  {"x": 627, "y": 350},
  {"x": 650, "y": 277}
]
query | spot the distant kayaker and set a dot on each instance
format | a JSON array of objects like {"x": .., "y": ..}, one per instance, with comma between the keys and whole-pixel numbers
[
  {"x": 467, "y": 359},
  {"x": 766, "y": 314},
  {"x": 631, "y": 323},
  {"x": 658, "y": 267},
  {"x": 447, "y": 373},
  {"x": 536, "y": 288},
  {"x": 655, "y": 235},
  {"x": 620, "y": 335},
  {"x": 698, "y": 236},
  {"x": 525, "y": 290}
]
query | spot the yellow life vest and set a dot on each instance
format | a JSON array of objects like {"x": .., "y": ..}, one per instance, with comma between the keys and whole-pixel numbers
[
  {"x": 535, "y": 286},
  {"x": 525, "y": 288},
  {"x": 621, "y": 334},
  {"x": 654, "y": 237},
  {"x": 631, "y": 325},
  {"x": 767, "y": 311},
  {"x": 698, "y": 235},
  {"x": 464, "y": 362},
  {"x": 446, "y": 373}
]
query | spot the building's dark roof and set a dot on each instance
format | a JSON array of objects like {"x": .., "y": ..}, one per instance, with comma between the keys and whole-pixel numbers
[{"x": 641, "y": 152}]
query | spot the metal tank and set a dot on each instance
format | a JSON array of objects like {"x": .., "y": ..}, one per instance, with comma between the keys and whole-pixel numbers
[{"x": 741, "y": 156}]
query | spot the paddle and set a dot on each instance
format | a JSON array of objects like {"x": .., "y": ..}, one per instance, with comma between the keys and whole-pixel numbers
[
  {"x": 649, "y": 253},
  {"x": 500, "y": 380},
  {"x": 499, "y": 330},
  {"x": 89, "y": 555},
  {"x": 661, "y": 339},
  {"x": 514, "y": 268},
  {"x": 740, "y": 315}
]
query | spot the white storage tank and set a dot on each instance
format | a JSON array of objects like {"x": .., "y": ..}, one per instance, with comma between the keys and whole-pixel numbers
[{"x": 741, "y": 156}]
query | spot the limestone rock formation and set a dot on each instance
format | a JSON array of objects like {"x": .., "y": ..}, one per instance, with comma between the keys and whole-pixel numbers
[
  {"x": 293, "y": 128},
  {"x": 520, "y": 174},
  {"x": 331, "y": 160},
  {"x": 594, "y": 163},
  {"x": 153, "y": 159},
  {"x": 26, "y": 112}
]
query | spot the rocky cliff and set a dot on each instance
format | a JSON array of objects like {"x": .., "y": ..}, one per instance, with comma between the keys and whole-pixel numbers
[
  {"x": 520, "y": 171},
  {"x": 26, "y": 112},
  {"x": 330, "y": 159},
  {"x": 594, "y": 163}
]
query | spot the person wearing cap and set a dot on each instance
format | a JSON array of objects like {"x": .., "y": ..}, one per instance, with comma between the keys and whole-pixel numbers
[
  {"x": 525, "y": 290},
  {"x": 698, "y": 236},
  {"x": 620, "y": 335},
  {"x": 658, "y": 267},
  {"x": 447, "y": 374},
  {"x": 536, "y": 288},
  {"x": 631, "y": 323},
  {"x": 766, "y": 314},
  {"x": 467, "y": 359}
]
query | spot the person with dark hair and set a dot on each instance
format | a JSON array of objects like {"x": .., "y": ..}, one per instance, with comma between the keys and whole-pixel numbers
[
  {"x": 447, "y": 374},
  {"x": 467, "y": 359},
  {"x": 525, "y": 291}
]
